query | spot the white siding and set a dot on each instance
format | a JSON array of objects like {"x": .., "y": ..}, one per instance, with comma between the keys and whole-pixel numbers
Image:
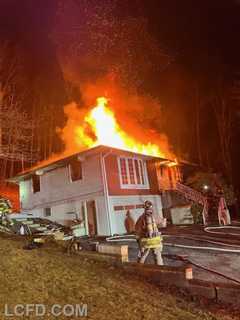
[
  {"x": 60, "y": 213},
  {"x": 64, "y": 196},
  {"x": 56, "y": 186},
  {"x": 102, "y": 217},
  {"x": 118, "y": 217}
]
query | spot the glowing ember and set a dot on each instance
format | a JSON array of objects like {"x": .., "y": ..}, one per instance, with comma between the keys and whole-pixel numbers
[{"x": 106, "y": 131}]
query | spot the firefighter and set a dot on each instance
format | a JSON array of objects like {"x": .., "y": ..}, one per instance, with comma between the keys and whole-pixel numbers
[
  {"x": 148, "y": 236},
  {"x": 129, "y": 223},
  {"x": 5, "y": 209}
]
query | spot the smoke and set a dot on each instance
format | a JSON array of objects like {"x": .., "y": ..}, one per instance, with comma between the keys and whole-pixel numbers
[{"x": 102, "y": 54}]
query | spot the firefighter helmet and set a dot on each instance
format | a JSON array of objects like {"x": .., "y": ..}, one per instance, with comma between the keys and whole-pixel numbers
[{"x": 147, "y": 205}]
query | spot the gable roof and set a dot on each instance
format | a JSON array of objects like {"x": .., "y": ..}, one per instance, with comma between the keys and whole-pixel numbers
[{"x": 61, "y": 161}]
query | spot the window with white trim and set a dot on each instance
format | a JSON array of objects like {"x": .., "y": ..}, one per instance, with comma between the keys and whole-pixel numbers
[
  {"x": 75, "y": 170},
  {"x": 47, "y": 212},
  {"x": 132, "y": 172}
]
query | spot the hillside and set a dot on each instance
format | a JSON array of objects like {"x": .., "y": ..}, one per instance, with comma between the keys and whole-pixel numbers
[{"x": 49, "y": 276}]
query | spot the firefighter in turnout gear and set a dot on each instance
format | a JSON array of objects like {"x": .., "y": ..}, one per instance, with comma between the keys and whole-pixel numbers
[
  {"x": 5, "y": 209},
  {"x": 148, "y": 236}
]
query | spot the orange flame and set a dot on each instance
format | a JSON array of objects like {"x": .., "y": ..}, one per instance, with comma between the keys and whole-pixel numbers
[{"x": 107, "y": 131}]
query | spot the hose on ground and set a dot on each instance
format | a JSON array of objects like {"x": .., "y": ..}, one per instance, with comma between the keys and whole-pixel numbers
[
  {"x": 210, "y": 230},
  {"x": 132, "y": 238},
  {"x": 128, "y": 238},
  {"x": 201, "y": 248},
  {"x": 209, "y": 270},
  {"x": 203, "y": 240}
]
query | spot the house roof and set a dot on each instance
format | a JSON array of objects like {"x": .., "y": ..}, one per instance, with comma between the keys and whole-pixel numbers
[{"x": 60, "y": 161}]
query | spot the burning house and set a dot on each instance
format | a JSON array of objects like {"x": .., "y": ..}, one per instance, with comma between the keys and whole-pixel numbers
[
  {"x": 106, "y": 174},
  {"x": 97, "y": 186}
]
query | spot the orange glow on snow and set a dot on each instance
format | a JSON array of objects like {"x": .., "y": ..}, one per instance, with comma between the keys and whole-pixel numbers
[{"x": 106, "y": 131}]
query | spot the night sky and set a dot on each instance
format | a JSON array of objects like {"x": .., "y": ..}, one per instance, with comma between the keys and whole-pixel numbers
[
  {"x": 193, "y": 31},
  {"x": 199, "y": 34}
]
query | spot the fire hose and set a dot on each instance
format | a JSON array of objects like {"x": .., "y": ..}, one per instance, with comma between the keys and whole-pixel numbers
[
  {"x": 209, "y": 230},
  {"x": 132, "y": 238},
  {"x": 203, "y": 240},
  {"x": 177, "y": 257},
  {"x": 202, "y": 248},
  {"x": 128, "y": 238}
]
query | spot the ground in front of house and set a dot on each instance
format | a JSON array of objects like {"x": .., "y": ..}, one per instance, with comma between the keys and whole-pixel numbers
[
  {"x": 220, "y": 265},
  {"x": 49, "y": 276}
]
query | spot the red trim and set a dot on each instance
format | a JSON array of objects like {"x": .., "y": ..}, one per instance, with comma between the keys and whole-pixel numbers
[
  {"x": 128, "y": 207},
  {"x": 139, "y": 206},
  {"x": 113, "y": 179},
  {"x": 118, "y": 208}
]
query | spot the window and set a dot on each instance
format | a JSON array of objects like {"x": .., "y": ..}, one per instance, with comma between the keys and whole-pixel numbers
[
  {"x": 141, "y": 172},
  {"x": 47, "y": 212},
  {"x": 75, "y": 168},
  {"x": 124, "y": 174},
  {"x": 35, "y": 183},
  {"x": 132, "y": 173},
  {"x": 136, "y": 164}
]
